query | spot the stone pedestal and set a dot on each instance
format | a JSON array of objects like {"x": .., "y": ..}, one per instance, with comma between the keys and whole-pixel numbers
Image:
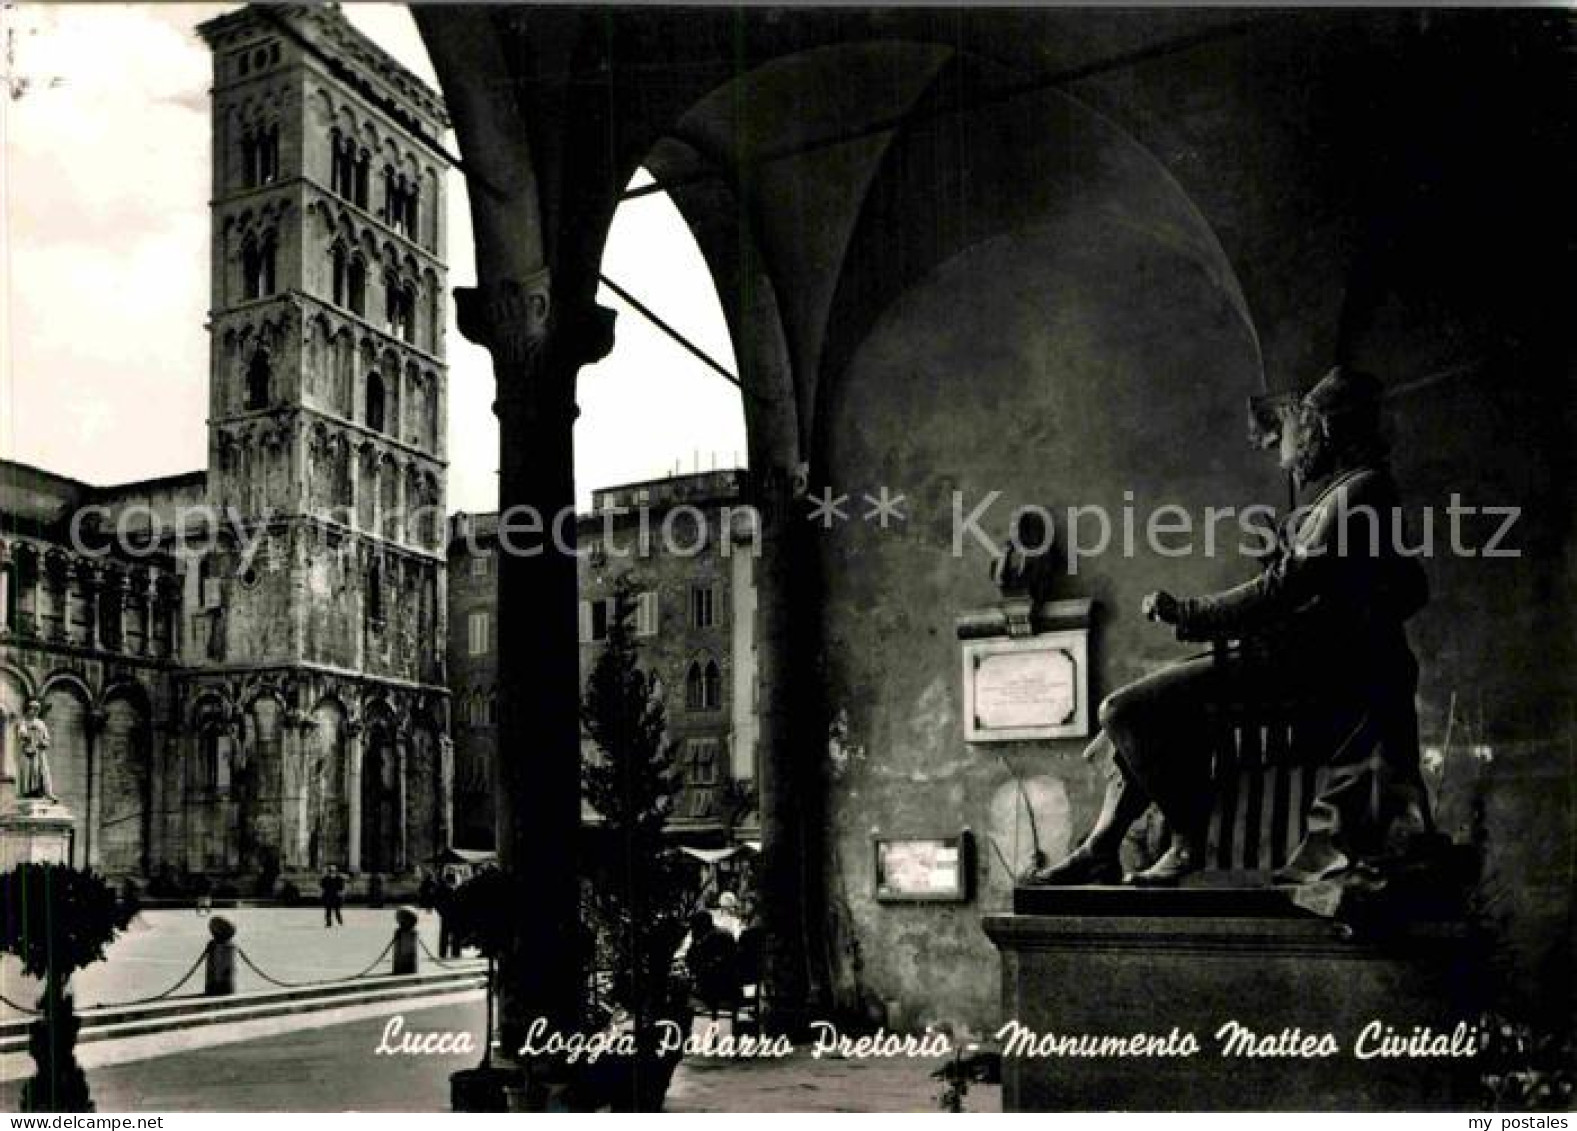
[
  {"x": 35, "y": 831},
  {"x": 1113, "y": 962}
]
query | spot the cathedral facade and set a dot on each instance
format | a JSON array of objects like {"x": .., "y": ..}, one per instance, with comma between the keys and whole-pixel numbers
[{"x": 242, "y": 669}]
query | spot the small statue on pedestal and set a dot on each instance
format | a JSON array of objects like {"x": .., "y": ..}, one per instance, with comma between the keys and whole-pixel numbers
[{"x": 32, "y": 735}]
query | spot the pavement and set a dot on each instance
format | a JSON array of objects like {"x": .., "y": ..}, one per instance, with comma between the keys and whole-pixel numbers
[{"x": 289, "y": 943}]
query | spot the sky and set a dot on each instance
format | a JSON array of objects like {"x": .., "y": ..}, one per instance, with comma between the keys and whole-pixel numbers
[{"x": 106, "y": 281}]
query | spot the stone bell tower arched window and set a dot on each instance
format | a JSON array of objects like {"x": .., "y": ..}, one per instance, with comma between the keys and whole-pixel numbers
[
  {"x": 260, "y": 155},
  {"x": 339, "y": 261},
  {"x": 349, "y": 278},
  {"x": 342, "y": 166},
  {"x": 361, "y": 167},
  {"x": 401, "y": 202},
  {"x": 375, "y": 593},
  {"x": 375, "y": 400},
  {"x": 356, "y": 285},
  {"x": 258, "y": 372},
  {"x": 399, "y": 308},
  {"x": 258, "y": 276}
]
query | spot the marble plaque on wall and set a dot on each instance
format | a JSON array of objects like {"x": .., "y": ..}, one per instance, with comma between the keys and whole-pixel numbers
[{"x": 1034, "y": 687}]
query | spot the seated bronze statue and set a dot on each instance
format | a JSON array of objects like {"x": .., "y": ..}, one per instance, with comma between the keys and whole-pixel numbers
[{"x": 1323, "y": 619}]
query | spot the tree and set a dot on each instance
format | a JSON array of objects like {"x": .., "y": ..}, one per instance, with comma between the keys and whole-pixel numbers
[
  {"x": 638, "y": 892},
  {"x": 57, "y": 920}
]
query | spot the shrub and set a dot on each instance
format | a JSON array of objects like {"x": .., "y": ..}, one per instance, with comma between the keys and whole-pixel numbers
[{"x": 57, "y": 920}]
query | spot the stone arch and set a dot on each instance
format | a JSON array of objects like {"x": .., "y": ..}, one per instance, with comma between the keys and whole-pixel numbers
[
  {"x": 432, "y": 515},
  {"x": 60, "y": 680},
  {"x": 389, "y": 476},
  {"x": 260, "y": 692},
  {"x": 367, "y": 492},
  {"x": 344, "y": 490},
  {"x": 389, "y": 367},
  {"x": 322, "y": 811},
  {"x": 807, "y": 341},
  {"x": 344, "y": 376},
  {"x": 429, "y": 218},
  {"x": 125, "y": 756},
  {"x": 424, "y": 818},
  {"x": 208, "y": 777},
  {"x": 259, "y": 379},
  {"x": 432, "y": 311},
  {"x": 211, "y": 717},
  {"x": 381, "y": 788},
  {"x": 67, "y": 706},
  {"x": 130, "y": 690},
  {"x": 261, "y": 771},
  {"x": 415, "y": 504}
]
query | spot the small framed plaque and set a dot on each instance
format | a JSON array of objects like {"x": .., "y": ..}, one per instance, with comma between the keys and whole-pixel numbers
[
  {"x": 923, "y": 869},
  {"x": 1026, "y": 688}
]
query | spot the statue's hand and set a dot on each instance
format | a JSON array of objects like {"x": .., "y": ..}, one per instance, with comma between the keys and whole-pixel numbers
[{"x": 1160, "y": 606}]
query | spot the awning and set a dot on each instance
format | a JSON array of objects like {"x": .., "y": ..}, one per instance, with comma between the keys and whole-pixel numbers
[
  {"x": 718, "y": 855},
  {"x": 471, "y": 856},
  {"x": 710, "y": 855}
]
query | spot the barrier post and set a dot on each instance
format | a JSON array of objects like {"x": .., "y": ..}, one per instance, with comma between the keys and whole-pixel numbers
[
  {"x": 405, "y": 942},
  {"x": 219, "y": 969}
]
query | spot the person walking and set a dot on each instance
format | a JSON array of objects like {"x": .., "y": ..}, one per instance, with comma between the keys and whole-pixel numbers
[
  {"x": 333, "y": 885},
  {"x": 203, "y": 893},
  {"x": 711, "y": 961},
  {"x": 443, "y": 903}
]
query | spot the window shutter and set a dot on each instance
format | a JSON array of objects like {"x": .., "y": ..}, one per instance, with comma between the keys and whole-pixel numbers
[
  {"x": 477, "y": 626},
  {"x": 646, "y": 615},
  {"x": 585, "y": 622}
]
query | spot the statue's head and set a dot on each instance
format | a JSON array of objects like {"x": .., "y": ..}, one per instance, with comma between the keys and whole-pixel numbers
[
  {"x": 32, "y": 709},
  {"x": 1336, "y": 424}
]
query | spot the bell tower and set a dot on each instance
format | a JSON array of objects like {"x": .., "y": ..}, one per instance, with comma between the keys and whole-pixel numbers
[
  {"x": 317, "y": 645},
  {"x": 327, "y": 397}
]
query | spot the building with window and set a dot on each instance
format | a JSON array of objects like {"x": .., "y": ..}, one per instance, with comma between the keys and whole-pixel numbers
[
  {"x": 690, "y": 545},
  {"x": 267, "y": 693}
]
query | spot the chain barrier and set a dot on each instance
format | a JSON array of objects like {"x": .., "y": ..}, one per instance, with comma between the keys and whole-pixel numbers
[
  {"x": 271, "y": 980},
  {"x": 20, "y": 1008},
  {"x": 250, "y": 965},
  {"x": 186, "y": 977},
  {"x": 436, "y": 961}
]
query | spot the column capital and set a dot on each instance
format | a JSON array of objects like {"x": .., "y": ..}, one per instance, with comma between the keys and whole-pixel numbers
[
  {"x": 537, "y": 344},
  {"x": 508, "y": 317}
]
